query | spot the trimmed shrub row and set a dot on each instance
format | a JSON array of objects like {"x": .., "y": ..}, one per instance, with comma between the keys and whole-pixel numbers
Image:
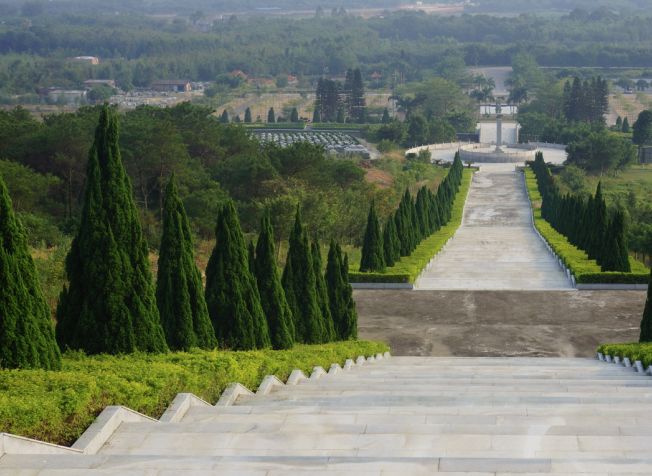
[
  {"x": 408, "y": 268},
  {"x": 585, "y": 270},
  {"x": 633, "y": 352}
]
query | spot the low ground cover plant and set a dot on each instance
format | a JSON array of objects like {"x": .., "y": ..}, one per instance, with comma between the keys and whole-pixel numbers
[{"x": 58, "y": 406}]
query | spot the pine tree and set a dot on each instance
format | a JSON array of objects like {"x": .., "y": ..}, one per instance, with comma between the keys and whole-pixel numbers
[
  {"x": 272, "y": 296},
  {"x": 348, "y": 328},
  {"x": 340, "y": 116},
  {"x": 247, "y": 116},
  {"x": 300, "y": 285},
  {"x": 625, "y": 128},
  {"x": 386, "y": 119},
  {"x": 646, "y": 322},
  {"x": 316, "y": 117},
  {"x": 271, "y": 116},
  {"x": 294, "y": 115},
  {"x": 598, "y": 225},
  {"x": 26, "y": 328},
  {"x": 224, "y": 118},
  {"x": 179, "y": 287},
  {"x": 322, "y": 294},
  {"x": 373, "y": 258},
  {"x": 619, "y": 123},
  {"x": 109, "y": 305},
  {"x": 615, "y": 252},
  {"x": 237, "y": 119},
  {"x": 391, "y": 243},
  {"x": 231, "y": 291}
]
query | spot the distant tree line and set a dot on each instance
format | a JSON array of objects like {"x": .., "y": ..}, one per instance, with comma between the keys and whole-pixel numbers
[
  {"x": 335, "y": 102},
  {"x": 586, "y": 101}
]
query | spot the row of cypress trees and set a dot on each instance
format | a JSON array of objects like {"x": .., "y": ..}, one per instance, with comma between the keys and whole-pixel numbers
[
  {"x": 413, "y": 221},
  {"x": 110, "y": 304},
  {"x": 588, "y": 224}
]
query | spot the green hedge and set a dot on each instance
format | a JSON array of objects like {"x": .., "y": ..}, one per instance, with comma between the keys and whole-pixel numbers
[
  {"x": 58, "y": 406},
  {"x": 633, "y": 352},
  {"x": 410, "y": 267},
  {"x": 357, "y": 277},
  {"x": 585, "y": 270}
]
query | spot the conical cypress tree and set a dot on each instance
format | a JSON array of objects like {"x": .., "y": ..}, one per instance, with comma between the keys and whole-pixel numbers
[
  {"x": 373, "y": 258},
  {"x": 26, "y": 327},
  {"x": 646, "y": 322},
  {"x": 348, "y": 328},
  {"x": 231, "y": 292},
  {"x": 179, "y": 287},
  {"x": 335, "y": 284},
  {"x": 247, "y": 116},
  {"x": 322, "y": 294},
  {"x": 391, "y": 243},
  {"x": 110, "y": 305},
  {"x": 272, "y": 296},
  {"x": 598, "y": 226},
  {"x": 615, "y": 255},
  {"x": 300, "y": 285}
]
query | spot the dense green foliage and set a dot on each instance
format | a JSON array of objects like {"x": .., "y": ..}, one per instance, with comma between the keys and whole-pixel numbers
[
  {"x": 212, "y": 162},
  {"x": 179, "y": 287},
  {"x": 109, "y": 305},
  {"x": 646, "y": 321},
  {"x": 322, "y": 294},
  {"x": 272, "y": 295},
  {"x": 26, "y": 328},
  {"x": 634, "y": 351},
  {"x": 231, "y": 291},
  {"x": 587, "y": 224},
  {"x": 336, "y": 101},
  {"x": 585, "y": 270},
  {"x": 408, "y": 268},
  {"x": 59, "y": 406},
  {"x": 586, "y": 101},
  {"x": 642, "y": 133},
  {"x": 340, "y": 294},
  {"x": 300, "y": 285},
  {"x": 373, "y": 255}
]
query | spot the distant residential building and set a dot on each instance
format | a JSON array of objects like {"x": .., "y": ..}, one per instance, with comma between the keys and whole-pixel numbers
[
  {"x": 67, "y": 96},
  {"x": 172, "y": 86},
  {"x": 86, "y": 59},
  {"x": 91, "y": 83},
  {"x": 376, "y": 76},
  {"x": 292, "y": 80},
  {"x": 239, "y": 74}
]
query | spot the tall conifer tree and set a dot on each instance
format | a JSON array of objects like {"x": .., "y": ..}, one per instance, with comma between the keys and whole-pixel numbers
[
  {"x": 272, "y": 296},
  {"x": 322, "y": 294},
  {"x": 179, "y": 287},
  {"x": 391, "y": 243},
  {"x": 646, "y": 322},
  {"x": 300, "y": 285},
  {"x": 247, "y": 116},
  {"x": 231, "y": 291},
  {"x": 349, "y": 325},
  {"x": 26, "y": 328},
  {"x": 373, "y": 257},
  {"x": 109, "y": 305}
]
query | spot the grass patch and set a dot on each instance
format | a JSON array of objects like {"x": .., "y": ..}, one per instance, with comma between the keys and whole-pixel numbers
[
  {"x": 633, "y": 352},
  {"x": 408, "y": 268},
  {"x": 585, "y": 270},
  {"x": 58, "y": 406}
]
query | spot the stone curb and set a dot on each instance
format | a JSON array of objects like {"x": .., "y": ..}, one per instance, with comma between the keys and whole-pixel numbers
[
  {"x": 113, "y": 416},
  {"x": 637, "y": 366},
  {"x": 180, "y": 406},
  {"x": 105, "y": 425}
]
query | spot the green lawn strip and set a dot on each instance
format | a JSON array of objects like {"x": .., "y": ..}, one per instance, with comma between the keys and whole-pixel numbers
[
  {"x": 58, "y": 406},
  {"x": 585, "y": 270},
  {"x": 633, "y": 351},
  {"x": 408, "y": 268}
]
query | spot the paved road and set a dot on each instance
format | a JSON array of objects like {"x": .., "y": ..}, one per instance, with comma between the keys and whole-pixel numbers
[
  {"x": 499, "y": 323},
  {"x": 496, "y": 247}
]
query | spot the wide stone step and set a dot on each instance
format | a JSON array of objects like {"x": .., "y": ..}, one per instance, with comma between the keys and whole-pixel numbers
[{"x": 136, "y": 465}]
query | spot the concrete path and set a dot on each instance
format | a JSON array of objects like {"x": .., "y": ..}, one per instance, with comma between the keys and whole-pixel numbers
[
  {"x": 496, "y": 247},
  {"x": 401, "y": 416}
]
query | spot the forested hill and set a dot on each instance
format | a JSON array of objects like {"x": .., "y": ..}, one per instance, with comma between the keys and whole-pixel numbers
[{"x": 136, "y": 50}]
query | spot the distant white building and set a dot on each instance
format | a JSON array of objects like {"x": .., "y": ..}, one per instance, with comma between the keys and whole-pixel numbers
[{"x": 488, "y": 132}]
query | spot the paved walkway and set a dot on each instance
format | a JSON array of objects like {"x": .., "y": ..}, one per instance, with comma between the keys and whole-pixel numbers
[{"x": 496, "y": 247}]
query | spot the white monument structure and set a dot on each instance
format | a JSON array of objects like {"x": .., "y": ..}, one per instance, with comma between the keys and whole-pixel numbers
[{"x": 498, "y": 137}]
